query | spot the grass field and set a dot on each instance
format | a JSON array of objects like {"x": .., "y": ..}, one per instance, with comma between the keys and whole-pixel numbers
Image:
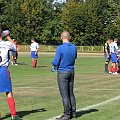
[{"x": 37, "y": 96}]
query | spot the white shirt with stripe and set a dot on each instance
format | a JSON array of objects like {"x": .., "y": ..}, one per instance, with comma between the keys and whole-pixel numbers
[
  {"x": 34, "y": 46},
  {"x": 113, "y": 47},
  {"x": 5, "y": 48}
]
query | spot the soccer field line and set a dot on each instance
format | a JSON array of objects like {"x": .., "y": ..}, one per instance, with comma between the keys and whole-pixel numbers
[{"x": 92, "y": 106}]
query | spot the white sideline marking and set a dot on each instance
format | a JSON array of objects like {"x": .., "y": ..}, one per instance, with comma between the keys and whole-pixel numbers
[
  {"x": 92, "y": 106},
  {"x": 105, "y": 89}
]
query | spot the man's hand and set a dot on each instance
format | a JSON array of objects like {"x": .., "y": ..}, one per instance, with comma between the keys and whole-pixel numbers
[
  {"x": 107, "y": 59},
  {"x": 53, "y": 69}
]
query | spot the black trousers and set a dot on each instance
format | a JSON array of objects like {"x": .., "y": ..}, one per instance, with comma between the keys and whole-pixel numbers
[{"x": 66, "y": 85}]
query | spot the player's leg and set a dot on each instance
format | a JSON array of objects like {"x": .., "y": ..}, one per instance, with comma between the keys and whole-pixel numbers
[
  {"x": 15, "y": 58},
  {"x": 114, "y": 68},
  {"x": 63, "y": 88},
  {"x": 12, "y": 108},
  {"x": 6, "y": 86},
  {"x": 36, "y": 56},
  {"x": 114, "y": 60},
  {"x": 33, "y": 56},
  {"x": 106, "y": 66},
  {"x": 12, "y": 57},
  {"x": 111, "y": 68},
  {"x": 36, "y": 62},
  {"x": 11, "y": 103},
  {"x": 106, "y": 63},
  {"x": 118, "y": 69},
  {"x": 33, "y": 62},
  {"x": 12, "y": 60},
  {"x": 112, "y": 57},
  {"x": 72, "y": 96}
]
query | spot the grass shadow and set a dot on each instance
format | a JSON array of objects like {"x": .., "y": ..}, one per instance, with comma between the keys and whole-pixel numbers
[
  {"x": 83, "y": 112},
  {"x": 41, "y": 66},
  {"x": 22, "y": 63},
  {"x": 25, "y": 113}
]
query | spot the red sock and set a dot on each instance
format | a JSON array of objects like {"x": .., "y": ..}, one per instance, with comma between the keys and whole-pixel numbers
[
  {"x": 36, "y": 63},
  {"x": 114, "y": 69},
  {"x": 33, "y": 63},
  {"x": 11, "y": 104},
  {"x": 111, "y": 68}
]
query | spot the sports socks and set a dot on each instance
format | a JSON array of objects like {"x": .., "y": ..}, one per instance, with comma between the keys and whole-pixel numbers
[
  {"x": 111, "y": 68},
  {"x": 33, "y": 63},
  {"x": 114, "y": 69},
  {"x": 11, "y": 104}
]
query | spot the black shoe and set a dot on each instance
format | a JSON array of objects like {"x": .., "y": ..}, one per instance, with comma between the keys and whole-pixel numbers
[
  {"x": 106, "y": 72},
  {"x": 73, "y": 115},
  {"x": 64, "y": 117}
]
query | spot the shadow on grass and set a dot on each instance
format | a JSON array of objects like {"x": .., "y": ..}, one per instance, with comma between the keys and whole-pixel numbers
[
  {"x": 41, "y": 66},
  {"x": 83, "y": 112},
  {"x": 22, "y": 63},
  {"x": 25, "y": 113}
]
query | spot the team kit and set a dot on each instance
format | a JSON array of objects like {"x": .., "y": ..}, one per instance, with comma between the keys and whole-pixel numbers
[{"x": 111, "y": 53}]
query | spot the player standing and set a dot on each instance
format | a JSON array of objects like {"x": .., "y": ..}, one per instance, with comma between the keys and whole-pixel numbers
[
  {"x": 106, "y": 55},
  {"x": 64, "y": 61},
  {"x": 113, "y": 55},
  {"x": 5, "y": 80},
  {"x": 34, "y": 52}
]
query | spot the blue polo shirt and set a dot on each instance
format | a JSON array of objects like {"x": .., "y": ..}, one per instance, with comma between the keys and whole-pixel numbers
[{"x": 65, "y": 57}]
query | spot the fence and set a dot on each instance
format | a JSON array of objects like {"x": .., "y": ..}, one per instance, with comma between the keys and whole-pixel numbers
[{"x": 48, "y": 48}]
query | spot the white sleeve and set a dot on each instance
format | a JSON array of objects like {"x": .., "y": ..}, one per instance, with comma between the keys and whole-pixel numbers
[
  {"x": 10, "y": 46},
  {"x": 37, "y": 46},
  {"x": 116, "y": 46}
]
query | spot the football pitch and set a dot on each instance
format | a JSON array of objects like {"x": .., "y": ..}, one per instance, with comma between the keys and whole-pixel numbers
[{"x": 37, "y": 95}]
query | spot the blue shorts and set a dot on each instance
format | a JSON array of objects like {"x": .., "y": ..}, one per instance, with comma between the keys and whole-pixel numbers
[
  {"x": 113, "y": 57},
  {"x": 34, "y": 54},
  {"x": 5, "y": 80}
]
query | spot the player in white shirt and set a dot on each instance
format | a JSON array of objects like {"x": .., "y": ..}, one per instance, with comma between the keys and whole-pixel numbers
[
  {"x": 5, "y": 79},
  {"x": 113, "y": 55},
  {"x": 34, "y": 52}
]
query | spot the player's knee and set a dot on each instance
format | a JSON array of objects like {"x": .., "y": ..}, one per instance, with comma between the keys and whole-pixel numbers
[{"x": 9, "y": 94}]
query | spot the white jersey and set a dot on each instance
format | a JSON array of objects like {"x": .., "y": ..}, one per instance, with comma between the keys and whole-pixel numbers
[
  {"x": 34, "y": 46},
  {"x": 5, "y": 48},
  {"x": 113, "y": 47}
]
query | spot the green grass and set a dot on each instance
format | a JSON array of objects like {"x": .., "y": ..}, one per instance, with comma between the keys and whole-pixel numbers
[{"x": 37, "y": 95}]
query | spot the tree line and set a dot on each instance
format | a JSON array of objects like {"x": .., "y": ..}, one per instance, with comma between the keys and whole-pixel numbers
[{"x": 90, "y": 22}]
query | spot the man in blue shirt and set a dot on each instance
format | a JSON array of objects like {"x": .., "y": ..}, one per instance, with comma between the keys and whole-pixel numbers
[{"x": 64, "y": 61}]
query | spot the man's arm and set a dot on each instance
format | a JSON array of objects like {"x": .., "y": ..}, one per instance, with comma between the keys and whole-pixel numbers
[
  {"x": 76, "y": 54},
  {"x": 12, "y": 46},
  {"x": 106, "y": 51},
  {"x": 6, "y": 34},
  {"x": 56, "y": 60}
]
